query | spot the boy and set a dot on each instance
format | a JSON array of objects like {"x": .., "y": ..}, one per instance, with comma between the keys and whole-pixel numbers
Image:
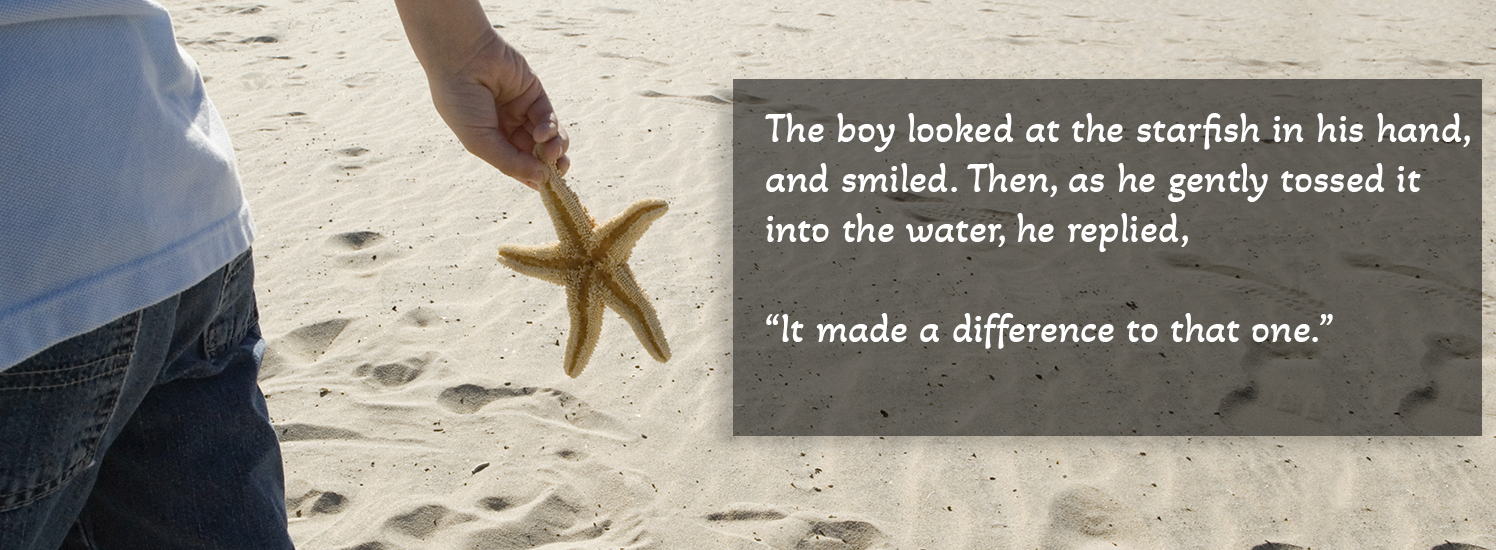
[{"x": 129, "y": 340}]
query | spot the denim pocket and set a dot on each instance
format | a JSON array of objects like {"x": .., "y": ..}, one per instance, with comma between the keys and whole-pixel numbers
[
  {"x": 237, "y": 313},
  {"x": 55, "y": 407}
]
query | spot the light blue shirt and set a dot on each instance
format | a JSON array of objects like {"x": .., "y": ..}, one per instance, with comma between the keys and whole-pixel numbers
[{"x": 118, "y": 186}]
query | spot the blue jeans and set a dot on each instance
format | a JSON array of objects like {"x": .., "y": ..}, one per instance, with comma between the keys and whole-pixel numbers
[{"x": 149, "y": 432}]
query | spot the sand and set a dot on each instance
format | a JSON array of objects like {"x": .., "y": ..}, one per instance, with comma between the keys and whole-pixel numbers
[{"x": 417, "y": 385}]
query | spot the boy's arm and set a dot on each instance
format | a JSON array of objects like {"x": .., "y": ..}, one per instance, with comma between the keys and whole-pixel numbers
[{"x": 483, "y": 88}]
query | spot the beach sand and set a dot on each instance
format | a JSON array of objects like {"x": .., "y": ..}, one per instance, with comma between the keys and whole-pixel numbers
[{"x": 417, "y": 384}]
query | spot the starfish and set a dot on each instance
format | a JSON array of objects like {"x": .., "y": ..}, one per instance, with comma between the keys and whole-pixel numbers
[{"x": 592, "y": 263}]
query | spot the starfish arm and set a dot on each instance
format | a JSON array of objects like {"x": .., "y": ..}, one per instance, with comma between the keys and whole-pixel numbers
[
  {"x": 573, "y": 224},
  {"x": 624, "y": 296},
  {"x": 593, "y": 267},
  {"x": 542, "y": 262},
  {"x": 616, "y": 237},
  {"x": 585, "y": 301}
]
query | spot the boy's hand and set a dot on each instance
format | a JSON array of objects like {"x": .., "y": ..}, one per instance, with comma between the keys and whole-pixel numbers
[{"x": 483, "y": 89}]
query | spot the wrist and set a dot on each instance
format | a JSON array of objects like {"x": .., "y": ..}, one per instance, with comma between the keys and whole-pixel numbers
[{"x": 446, "y": 35}]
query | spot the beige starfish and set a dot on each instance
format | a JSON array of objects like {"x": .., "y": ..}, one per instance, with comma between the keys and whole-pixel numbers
[{"x": 592, "y": 263}]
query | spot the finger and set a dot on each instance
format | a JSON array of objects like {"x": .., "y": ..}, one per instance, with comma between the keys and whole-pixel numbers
[
  {"x": 542, "y": 116},
  {"x": 502, "y": 154},
  {"x": 558, "y": 147},
  {"x": 520, "y": 138},
  {"x": 555, "y": 149},
  {"x": 544, "y": 130}
]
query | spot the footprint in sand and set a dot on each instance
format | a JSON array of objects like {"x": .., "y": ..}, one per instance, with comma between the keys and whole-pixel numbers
[
  {"x": 468, "y": 398},
  {"x": 1243, "y": 281},
  {"x": 398, "y": 373},
  {"x": 423, "y": 521},
  {"x": 311, "y": 341},
  {"x": 373, "y": 545},
  {"x": 1449, "y": 400},
  {"x": 557, "y": 516},
  {"x": 420, "y": 317},
  {"x": 1269, "y": 545},
  {"x": 302, "y": 345},
  {"x": 361, "y": 250},
  {"x": 1284, "y": 395},
  {"x": 295, "y": 432},
  {"x": 309, "y": 432},
  {"x": 356, "y": 240},
  {"x": 351, "y": 160},
  {"x": 551, "y": 518},
  {"x": 771, "y": 527},
  {"x": 544, "y": 404},
  {"x": 314, "y": 503},
  {"x": 1419, "y": 280},
  {"x": 1457, "y": 546},
  {"x": 1086, "y": 518}
]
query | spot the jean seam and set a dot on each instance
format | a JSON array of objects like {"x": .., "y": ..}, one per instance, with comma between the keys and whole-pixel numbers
[
  {"x": 230, "y": 272},
  {"x": 109, "y": 372},
  {"x": 32, "y": 494},
  {"x": 51, "y": 371},
  {"x": 44, "y": 489}
]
